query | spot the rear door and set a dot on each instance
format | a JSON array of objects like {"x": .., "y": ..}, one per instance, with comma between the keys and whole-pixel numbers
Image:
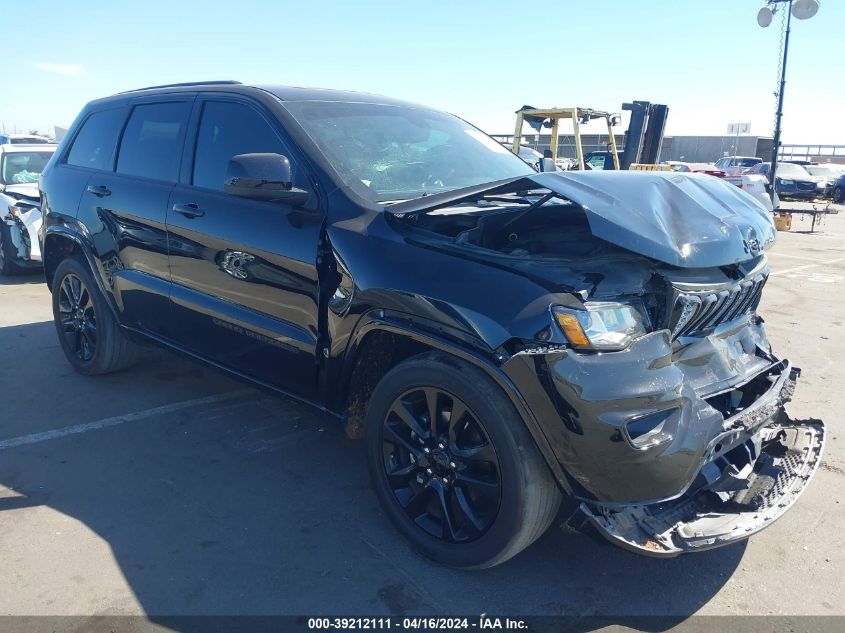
[
  {"x": 244, "y": 271},
  {"x": 126, "y": 210}
]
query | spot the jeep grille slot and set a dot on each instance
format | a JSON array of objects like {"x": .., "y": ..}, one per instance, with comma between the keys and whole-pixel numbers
[{"x": 695, "y": 312}]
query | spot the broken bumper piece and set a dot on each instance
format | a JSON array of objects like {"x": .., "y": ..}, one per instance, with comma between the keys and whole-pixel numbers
[{"x": 737, "y": 494}]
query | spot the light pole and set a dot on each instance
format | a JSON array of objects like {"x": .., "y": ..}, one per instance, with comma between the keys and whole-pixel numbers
[{"x": 802, "y": 10}]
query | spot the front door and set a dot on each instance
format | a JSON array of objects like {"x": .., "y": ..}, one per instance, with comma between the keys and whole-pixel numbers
[{"x": 244, "y": 271}]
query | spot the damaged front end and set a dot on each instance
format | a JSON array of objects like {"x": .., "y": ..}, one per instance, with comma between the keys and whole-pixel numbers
[
  {"x": 23, "y": 219},
  {"x": 652, "y": 380}
]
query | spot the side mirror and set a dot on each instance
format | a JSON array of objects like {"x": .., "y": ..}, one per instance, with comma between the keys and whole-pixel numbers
[
  {"x": 547, "y": 164},
  {"x": 262, "y": 177}
]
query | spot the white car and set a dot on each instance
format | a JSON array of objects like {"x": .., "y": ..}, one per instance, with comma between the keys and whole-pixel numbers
[
  {"x": 756, "y": 186},
  {"x": 20, "y": 209}
]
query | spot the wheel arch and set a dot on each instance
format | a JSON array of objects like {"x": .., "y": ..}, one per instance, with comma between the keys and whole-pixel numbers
[
  {"x": 61, "y": 243},
  {"x": 381, "y": 341}
]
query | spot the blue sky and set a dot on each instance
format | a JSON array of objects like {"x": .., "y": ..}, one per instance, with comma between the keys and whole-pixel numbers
[{"x": 709, "y": 61}]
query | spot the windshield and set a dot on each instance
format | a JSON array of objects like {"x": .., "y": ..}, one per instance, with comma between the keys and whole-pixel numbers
[
  {"x": 791, "y": 170},
  {"x": 390, "y": 153},
  {"x": 821, "y": 170},
  {"x": 18, "y": 168},
  {"x": 745, "y": 162}
]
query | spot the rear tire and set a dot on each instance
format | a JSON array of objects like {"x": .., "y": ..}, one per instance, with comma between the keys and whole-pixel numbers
[
  {"x": 444, "y": 498},
  {"x": 91, "y": 338},
  {"x": 839, "y": 195}
]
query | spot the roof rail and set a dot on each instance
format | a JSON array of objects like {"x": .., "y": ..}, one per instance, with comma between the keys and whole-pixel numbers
[{"x": 186, "y": 83}]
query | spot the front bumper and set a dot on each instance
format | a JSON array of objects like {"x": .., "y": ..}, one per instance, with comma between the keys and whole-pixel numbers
[
  {"x": 722, "y": 400},
  {"x": 752, "y": 491}
]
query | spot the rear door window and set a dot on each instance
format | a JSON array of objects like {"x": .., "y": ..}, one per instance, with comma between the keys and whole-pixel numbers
[
  {"x": 151, "y": 146},
  {"x": 94, "y": 146},
  {"x": 228, "y": 129}
]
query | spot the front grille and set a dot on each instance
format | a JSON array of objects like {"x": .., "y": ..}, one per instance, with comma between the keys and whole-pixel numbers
[
  {"x": 806, "y": 186},
  {"x": 695, "y": 312}
]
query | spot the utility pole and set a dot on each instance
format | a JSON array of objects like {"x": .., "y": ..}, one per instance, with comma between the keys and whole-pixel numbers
[
  {"x": 802, "y": 10},
  {"x": 779, "y": 113}
]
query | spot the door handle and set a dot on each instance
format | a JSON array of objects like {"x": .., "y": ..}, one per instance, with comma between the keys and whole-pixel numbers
[
  {"x": 101, "y": 191},
  {"x": 189, "y": 210}
]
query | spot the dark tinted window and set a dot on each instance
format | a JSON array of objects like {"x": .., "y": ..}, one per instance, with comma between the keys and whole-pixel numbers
[
  {"x": 226, "y": 130},
  {"x": 94, "y": 145},
  {"x": 152, "y": 143}
]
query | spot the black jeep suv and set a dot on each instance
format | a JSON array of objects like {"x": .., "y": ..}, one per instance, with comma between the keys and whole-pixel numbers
[{"x": 502, "y": 338}]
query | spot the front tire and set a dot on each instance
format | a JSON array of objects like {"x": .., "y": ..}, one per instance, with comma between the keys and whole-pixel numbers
[
  {"x": 839, "y": 195},
  {"x": 90, "y": 337},
  {"x": 7, "y": 263},
  {"x": 453, "y": 464}
]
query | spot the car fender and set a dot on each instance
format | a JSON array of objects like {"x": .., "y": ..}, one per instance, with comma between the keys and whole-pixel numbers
[
  {"x": 64, "y": 232},
  {"x": 407, "y": 326}
]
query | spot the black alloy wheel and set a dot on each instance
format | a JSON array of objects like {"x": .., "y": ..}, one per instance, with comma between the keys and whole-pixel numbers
[
  {"x": 453, "y": 464},
  {"x": 441, "y": 465},
  {"x": 90, "y": 336},
  {"x": 77, "y": 316}
]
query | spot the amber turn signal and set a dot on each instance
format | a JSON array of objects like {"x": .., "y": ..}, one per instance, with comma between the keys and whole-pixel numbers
[{"x": 572, "y": 328}]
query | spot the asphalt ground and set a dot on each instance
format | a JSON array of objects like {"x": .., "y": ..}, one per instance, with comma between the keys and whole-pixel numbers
[{"x": 170, "y": 489}]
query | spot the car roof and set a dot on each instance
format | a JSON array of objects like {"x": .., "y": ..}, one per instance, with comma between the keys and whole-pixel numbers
[
  {"x": 33, "y": 147},
  {"x": 19, "y": 135},
  {"x": 281, "y": 92}
]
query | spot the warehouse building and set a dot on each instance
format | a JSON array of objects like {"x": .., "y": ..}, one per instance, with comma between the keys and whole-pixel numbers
[{"x": 693, "y": 149}]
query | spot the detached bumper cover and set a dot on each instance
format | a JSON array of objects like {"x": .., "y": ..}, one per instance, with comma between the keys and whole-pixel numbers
[{"x": 736, "y": 495}]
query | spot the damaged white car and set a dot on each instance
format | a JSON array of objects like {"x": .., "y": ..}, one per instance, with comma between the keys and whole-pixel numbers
[{"x": 20, "y": 208}]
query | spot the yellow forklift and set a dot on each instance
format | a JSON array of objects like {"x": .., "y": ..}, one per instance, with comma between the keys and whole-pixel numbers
[{"x": 643, "y": 138}]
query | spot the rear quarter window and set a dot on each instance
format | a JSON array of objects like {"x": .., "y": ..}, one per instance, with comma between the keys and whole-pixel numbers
[{"x": 94, "y": 146}]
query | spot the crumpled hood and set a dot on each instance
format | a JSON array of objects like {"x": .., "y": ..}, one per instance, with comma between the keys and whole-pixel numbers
[
  {"x": 27, "y": 190},
  {"x": 685, "y": 220}
]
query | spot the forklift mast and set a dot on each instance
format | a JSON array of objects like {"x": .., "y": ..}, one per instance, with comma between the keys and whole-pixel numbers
[{"x": 644, "y": 137}]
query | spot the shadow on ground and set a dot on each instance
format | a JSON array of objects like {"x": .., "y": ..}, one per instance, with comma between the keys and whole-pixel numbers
[
  {"x": 256, "y": 506},
  {"x": 36, "y": 277}
]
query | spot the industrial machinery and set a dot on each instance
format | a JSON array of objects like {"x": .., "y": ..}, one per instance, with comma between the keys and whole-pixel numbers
[
  {"x": 643, "y": 139},
  {"x": 539, "y": 118}
]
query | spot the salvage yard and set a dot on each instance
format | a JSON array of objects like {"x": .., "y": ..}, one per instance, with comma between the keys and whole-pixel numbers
[{"x": 170, "y": 489}]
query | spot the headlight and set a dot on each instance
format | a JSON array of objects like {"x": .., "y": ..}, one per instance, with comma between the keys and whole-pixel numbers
[
  {"x": 788, "y": 183},
  {"x": 602, "y": 326}
]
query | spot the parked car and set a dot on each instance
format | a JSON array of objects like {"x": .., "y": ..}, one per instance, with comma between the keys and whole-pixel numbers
[
  {"x": 824, "y": 174},
  {"x": 756, "y": 186},
  {"x": 20, "y": 209},
  {"x": 23, "y": 139},
  {"x": 400, "y": 270},
  {"x": 839, "y": 189},
  {"x": 792, "y": 181},
  {"x": 734, "y": 165},
  {"x": 697, "y": 168}
]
